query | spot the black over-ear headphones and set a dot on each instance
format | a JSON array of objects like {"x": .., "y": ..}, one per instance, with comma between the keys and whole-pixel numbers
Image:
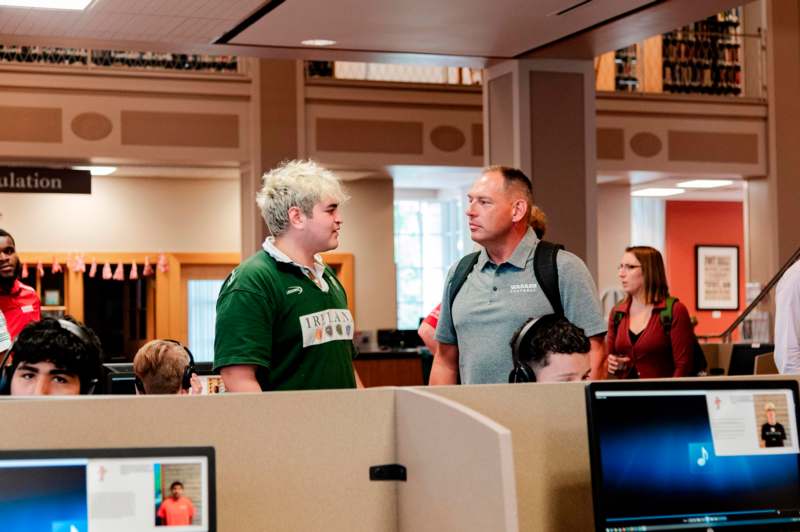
[
  {"x": 186, "y": 378},
  {"x": 7, "y": 370},
  {"x": 522, "y": 372}
]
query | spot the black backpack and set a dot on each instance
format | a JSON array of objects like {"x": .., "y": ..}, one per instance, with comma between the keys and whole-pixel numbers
[
  {"x": 699, "y": 363},
  {"x": 545, "y": 270}
]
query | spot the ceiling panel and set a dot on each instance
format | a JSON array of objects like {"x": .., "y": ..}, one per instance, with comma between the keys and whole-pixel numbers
[
  {"x": 183, "y": 22},
  {"x": 501, "y": 28}
]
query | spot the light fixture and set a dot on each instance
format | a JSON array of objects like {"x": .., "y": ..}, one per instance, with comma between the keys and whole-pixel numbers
[
  {"x": 318, "y": 42},
  {"x": 77, "y": 5},
  {"x": 97, "y": 170},
  {"x": 656, "y": 192},
  {"x": 705, "y": 183}
]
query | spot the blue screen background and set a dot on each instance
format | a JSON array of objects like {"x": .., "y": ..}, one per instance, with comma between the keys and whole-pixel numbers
[
  {"x": 649, "y": 452},
  {"x": 43, "y": 499}
]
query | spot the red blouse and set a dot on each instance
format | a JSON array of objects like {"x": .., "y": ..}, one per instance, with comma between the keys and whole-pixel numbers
[{"x": 654, "y": 355}]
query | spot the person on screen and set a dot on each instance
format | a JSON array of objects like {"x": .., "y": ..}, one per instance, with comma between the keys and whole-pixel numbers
[
  {"x": 550, "y": 349},
  {"x": 161, "y": 366},
  {"x": 177, "y": 509},
  {"x": 53, "y": 357},
  {"x": 772, "y": 433}
]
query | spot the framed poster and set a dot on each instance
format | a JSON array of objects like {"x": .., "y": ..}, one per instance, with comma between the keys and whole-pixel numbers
[{"x": 717, "y": 277}]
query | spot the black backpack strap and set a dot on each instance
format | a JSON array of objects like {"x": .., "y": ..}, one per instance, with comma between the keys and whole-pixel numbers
[
  {"x": 462, "y": 271},
  {"x": 545, "y": 268}
]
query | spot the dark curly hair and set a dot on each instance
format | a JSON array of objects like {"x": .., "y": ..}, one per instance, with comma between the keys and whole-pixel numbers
[
  {"x": 6, "y": 233},
  {"x": 48, "y": 341},
  {"x": 551, "y": 334}
]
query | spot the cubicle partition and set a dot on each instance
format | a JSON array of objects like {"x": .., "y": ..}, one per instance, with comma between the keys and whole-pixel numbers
[
  {"x": 460, "y": 467},
  {"x": 301, "y": 460},
  {"x": 551, "y": 451}
]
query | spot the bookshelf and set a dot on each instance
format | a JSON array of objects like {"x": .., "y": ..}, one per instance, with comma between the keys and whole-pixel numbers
[{"x": 704, "y": 57}]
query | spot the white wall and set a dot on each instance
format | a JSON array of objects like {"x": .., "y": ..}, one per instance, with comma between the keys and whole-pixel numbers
[
  {"x": 368, "y": 233},
  {"x": 613, "y": 232},
  {"x": 128, "y": 214}
]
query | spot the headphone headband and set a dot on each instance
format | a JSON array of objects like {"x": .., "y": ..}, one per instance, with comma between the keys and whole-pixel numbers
[
  {"x": 521, "y": 338},
  {"x": 76, "y": 330},
  {"x": 522, "y": 372}
]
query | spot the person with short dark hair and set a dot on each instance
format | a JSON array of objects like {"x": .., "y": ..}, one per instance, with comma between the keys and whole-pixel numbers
[
  {"x": 501, "y": 290},
  {"x": 53, "y": 357},
  {"x": 177, "y": 509},
  {"x": 19, "y": 303},
  {"x": 554, "y": 349}
]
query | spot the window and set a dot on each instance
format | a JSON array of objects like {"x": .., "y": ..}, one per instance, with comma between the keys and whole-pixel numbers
[
  {"x": 429, "y": 236},
  {"x": 202, "y": 295}
]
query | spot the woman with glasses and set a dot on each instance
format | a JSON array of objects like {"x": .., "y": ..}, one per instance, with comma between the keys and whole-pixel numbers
[{"x": 644, "y": 340}]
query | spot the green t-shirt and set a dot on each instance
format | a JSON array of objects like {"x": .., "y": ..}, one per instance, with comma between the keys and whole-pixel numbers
[{"x": 271, "y": 315}]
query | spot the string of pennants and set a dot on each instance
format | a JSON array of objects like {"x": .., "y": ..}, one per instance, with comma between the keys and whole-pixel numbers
[{"x": 77, "y": 263}]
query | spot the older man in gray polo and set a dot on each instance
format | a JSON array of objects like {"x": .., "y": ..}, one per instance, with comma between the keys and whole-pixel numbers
[{"x": 501, "y": 292}]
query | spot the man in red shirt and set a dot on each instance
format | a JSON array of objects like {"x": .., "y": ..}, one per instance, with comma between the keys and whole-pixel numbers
[
  {"x": 177, "y": 510},
  {"x": 19, "y": 303}
]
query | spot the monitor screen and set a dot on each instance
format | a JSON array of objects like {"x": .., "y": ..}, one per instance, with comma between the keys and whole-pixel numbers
[
  {"x": 743, "y": 357},
  {"x": 108, "y": 490},
  {"x": 694, "y": 454}
]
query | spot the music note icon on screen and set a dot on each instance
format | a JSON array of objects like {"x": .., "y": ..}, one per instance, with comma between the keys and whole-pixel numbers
[{"x": 703, "y": 457}]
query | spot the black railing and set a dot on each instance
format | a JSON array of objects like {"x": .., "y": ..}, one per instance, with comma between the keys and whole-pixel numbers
[
  {"x": 726, "y": 334},
  {"x": 38, "y": 55}
]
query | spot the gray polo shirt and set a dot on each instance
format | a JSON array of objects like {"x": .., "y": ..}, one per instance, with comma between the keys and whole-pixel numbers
[{"x": 496, "y": 300}]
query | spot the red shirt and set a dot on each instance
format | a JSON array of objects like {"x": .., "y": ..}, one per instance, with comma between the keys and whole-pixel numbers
[
  {"x": 176, "y": 513},
  {"x": 20, "y": 307},
  {"x": 654, "y": 355},
  {"x": 433, "y": 318}
]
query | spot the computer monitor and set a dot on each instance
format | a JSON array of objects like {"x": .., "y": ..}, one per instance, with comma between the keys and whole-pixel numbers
[
  {"x": 108, "y": 490},
  {"x": 743, "y": 357},
  {"x": 120, "y": 379},
  {"x": 694, "y": 454}
]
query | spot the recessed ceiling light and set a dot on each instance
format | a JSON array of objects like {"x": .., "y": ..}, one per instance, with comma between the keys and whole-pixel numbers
[
  {"x": 657, "y": 192},
  {"x": 318, "y": 42},
  {"x": 706, "y": 183},
  {"x": 77, "y": 5},
  {"x": 97, "y": 170}
]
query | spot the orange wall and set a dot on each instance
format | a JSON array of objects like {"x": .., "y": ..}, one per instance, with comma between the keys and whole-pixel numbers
[{"x": 689, "y": 223}]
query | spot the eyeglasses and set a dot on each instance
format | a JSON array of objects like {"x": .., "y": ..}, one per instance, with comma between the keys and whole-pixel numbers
[{"x": 628, "y": 267}]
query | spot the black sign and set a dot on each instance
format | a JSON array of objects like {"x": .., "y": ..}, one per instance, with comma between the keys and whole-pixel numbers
[{"x": 52, "y": 180}]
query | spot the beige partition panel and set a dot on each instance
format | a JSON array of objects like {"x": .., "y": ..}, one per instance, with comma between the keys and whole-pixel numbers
[
  {"x": 288, "y": 461},
  {"x": 551, "y": 450},
  {"x": 460, "y": 467}
]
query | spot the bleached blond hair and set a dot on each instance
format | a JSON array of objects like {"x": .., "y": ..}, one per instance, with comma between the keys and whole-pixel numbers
[{"x": 300, "y": 184}]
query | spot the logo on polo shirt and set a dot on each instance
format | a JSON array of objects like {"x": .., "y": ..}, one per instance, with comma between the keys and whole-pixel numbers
[
  {"x": 528, "y": 288},
  {"x": 294, "y": 290},
  {"x": 326, "y": 326}
]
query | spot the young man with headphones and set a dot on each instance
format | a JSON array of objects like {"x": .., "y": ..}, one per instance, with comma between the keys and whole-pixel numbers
[
  {"x": 549, "y": 349},
  {"x": 165, "y": 367},
  {"x": 52, "y": 357}
]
